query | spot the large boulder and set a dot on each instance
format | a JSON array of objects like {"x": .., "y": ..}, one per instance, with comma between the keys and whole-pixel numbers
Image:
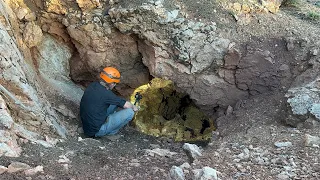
[{"x": 54, "y": 69}]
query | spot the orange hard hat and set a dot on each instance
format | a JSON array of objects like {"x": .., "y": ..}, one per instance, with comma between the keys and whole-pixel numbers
[{"x": 110, "y": 75}]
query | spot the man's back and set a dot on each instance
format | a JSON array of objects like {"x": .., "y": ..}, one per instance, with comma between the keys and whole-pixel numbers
[{"x": 93, "y": 107}]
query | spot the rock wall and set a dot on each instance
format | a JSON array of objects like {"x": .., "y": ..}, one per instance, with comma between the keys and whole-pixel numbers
[
  {"x": 188, "y": 53},
  {"x": 303, "y": 97},
  {"x": 24, "y": 106}
]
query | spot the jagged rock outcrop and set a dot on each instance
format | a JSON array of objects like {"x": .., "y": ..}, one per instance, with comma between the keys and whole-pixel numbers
[
  {"x": 20, "y": 83},
  {"x": 188, "y": 53},
  {"x": 304, "y": 102},
  {"x": 303, "y": 97}
]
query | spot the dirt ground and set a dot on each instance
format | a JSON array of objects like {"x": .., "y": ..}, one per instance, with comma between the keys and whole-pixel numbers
[{"x": 253, "y": 127}]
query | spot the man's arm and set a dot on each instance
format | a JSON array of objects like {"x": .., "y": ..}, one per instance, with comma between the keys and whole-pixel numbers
[{"x": 130, "y": 105}]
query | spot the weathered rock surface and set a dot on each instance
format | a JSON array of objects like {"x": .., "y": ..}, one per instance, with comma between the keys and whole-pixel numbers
[
  {"x": 30, "y": 110},
  {"x": 206, "y": 173},
  {"x": 53, "y": 66},
  {"x": 192, "y": 150},
  {"x": 181, "y": 50},
  {"x": 17, "y": 166},
  {"x": 33, "y": 171},
  {"x": 32, "y": 34},
  {"x": 12, "y": 71},
  {"x": 303, "y": 95},
  {"x": 304, "y": 101},
  {"x": 3, "y": 169},
  {"x": 311, "y": 140},
  {"x": 160, "y": 152},
  {"x": 176, "y": 173},
  {"x": 99, "y": 44},
  {"x": 257, "y": 73}
]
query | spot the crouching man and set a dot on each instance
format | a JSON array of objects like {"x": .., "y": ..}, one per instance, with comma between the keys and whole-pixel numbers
[{"x": 99, "y": 104}]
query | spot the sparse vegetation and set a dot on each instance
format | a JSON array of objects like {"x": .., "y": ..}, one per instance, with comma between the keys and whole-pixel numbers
[{"x": 313, "y": 15}]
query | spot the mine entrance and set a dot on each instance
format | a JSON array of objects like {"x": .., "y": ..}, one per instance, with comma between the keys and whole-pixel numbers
[{"x": 166, "y": 112}]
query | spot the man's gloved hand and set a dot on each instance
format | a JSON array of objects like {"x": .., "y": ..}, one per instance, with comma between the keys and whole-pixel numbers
[
  {"x": 130, "y": 105},
  {"x": 135, "y": 108}
]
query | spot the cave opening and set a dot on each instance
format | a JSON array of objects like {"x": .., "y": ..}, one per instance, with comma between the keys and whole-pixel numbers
[{"x": 166, "y": 112}]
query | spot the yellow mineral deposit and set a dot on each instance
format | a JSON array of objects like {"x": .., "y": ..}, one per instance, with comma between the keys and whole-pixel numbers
[{"x": 166, "y": 112}]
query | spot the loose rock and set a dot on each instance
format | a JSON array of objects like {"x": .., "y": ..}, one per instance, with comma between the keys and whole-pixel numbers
[
  {"x": 192, "y": 150},
  {"x": 33, "y": 171},
  {"x": 282, "y": 144},
  {"x": 185, "y": 166},
  {"x": 176, "y": 173},
  {"x": 160, "y": 152},
  {"x": 17, "y": 166},
  {"x": 206, "y": 173},
  {"x": 311, "y": 140},
  {"x": 3, "y": 169}
]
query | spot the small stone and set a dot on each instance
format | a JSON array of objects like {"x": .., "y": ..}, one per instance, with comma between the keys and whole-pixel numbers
[
  {"x": 30, "y": 17},
  {"x": 272, "y": 61},
  {"x": 293, "y": 164},
  {"x": 192, "y": 150},
  {"x": 21, "y": 13},
  {"x": 185, "y": 166},
  {"x": 80, "y": 130},
  {"x": 246, "y": 8},
  {"x": 290, "y": 44},
  {"x": 283, "y": 177},
  {"x": 237, "y": 160},
  {"x": 160, "y": 152},
  {"x": 65, "y": 167},
  {"x": 32, "y": 34},
  {"x": 63, "y": 159},
  {"x": 3, "y": 169},
  {"x": 237, "y": 6},
  {"x": 206, "y": 173},
  {"x": 176, "y": 173},
  {"x": 134, "y": 160},
  {"x": 311, "y": 140},
  {"x": 17, "y": 166},
  {"x": 135, "y": 164},
  {"x": 33, "y": 171},
  {"x": 287, "y": 168},
  {"x": 315, "y": 52},
  {"x": 158, "y": 3},
  {"x": 242, "y": 156},
  {"x": 229, "y": 110},
  {"x": 282, "y": 144},
  {"x": 259, "y": 160},
  {"x": 154, "y": 146},
  {"x": 246, "y": 151},
  {"x": 276, "y": 161},
  {"x": 310, "y": 123}
]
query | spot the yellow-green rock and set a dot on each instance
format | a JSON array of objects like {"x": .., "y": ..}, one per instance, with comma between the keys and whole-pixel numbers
[{"x": 162, "y": 113}]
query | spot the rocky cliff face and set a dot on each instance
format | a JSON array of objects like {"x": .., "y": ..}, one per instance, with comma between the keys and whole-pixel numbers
[{"x": 50, "y": 48}]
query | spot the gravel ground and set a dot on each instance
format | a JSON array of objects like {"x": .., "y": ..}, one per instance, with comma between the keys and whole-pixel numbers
[{"x": 244, "y": 147}]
